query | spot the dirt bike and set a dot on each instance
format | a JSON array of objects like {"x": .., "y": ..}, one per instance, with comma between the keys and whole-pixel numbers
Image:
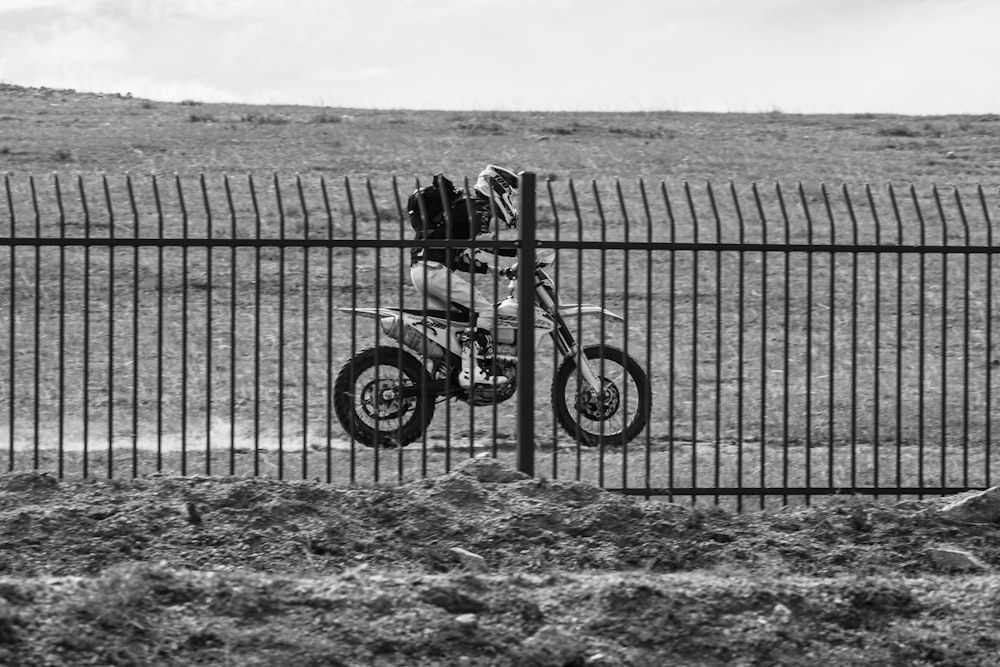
[{"x": 386, "y": 395}]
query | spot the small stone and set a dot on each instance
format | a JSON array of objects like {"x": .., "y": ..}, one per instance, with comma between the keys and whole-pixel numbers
[
  {"x": 452, "y": 600},
  {"x": 552, "y": 646},
  {"x": 470, "y": 560},
  {"x": 193, "y": 515},
  {"x": 949, "y": 558},
  {"x": 489, "y": 470},
  {"x": 467, "y": 620},
  {"x": 781, "y": 614},
  {"x": 974, "y": 507}
]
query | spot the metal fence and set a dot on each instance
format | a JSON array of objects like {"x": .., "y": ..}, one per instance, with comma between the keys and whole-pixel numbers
[{"x": 799, "y": 341}]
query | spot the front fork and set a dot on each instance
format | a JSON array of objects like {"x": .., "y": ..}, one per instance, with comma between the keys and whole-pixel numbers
[{"x": 566, "y": 343}]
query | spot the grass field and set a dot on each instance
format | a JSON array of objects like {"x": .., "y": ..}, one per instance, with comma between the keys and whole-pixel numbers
[{"x": 776, "y": 369}]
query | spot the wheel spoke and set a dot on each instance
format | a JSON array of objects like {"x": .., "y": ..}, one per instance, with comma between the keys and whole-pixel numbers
[
  {"x": 617, "y": 412},
  {"x": 369, "y": 398}
]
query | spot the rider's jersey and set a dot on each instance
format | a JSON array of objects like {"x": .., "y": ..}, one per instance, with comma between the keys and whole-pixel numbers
[{"x": 460, "y": 226}]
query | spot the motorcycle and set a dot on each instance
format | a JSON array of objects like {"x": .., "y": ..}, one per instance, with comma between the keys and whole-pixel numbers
[{"x": 386, "y": 395}]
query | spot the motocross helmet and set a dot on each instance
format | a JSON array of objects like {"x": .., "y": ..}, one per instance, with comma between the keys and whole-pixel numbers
[{"x": 499, "y": 185}]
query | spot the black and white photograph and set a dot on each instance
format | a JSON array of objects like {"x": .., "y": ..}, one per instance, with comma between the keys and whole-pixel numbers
[{"x": 523, "y": 333}]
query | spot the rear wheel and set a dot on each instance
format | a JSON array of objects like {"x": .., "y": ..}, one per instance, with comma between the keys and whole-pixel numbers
[
  {"x": 368, "y": 397},
  {"x": 613, "y": 415}
]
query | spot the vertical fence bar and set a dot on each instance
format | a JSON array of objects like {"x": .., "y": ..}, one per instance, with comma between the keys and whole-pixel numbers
[
  {"x": 11, "y": 329},
  {"x": 553, "y": 424},
  {"x": 786, "y": 322},
  {"x": 424, "y": 300},
  {"x": 943, "y": 396},
  {"x": 256, "y": 325},
  {"x": 740, "y": 343},
  {"x": 966, "y": 291},
  {"x": 854, "y": 336},
  {"x": 210, "y": 285},
  {"x": 184, "y": 322},
  {"x": 603, "y": 253},
  {"x": 159, "y": 324},
  {"x": 578, "y": 448},
  {"x": 86, "y": 331},
  {"x": 135, "y": 325},
  {"x": 404, "y": 279},
  {"x": 526, "y": 331},
  {"x": 876, "y": 341},
  {"x": 448, "y": 234},
  {"x": 695, "y": 268},
  {"x": 921, "y": 345},
  {"x": 831, "y": 391},
  {"x": 328, "y": 429},
  {"x": 233, "y": 337},
  {"x": 807, "y": 447},
  {"x": 377, "y": 289},
  {"x": 762, "y": 408},
  {"x": 474, "y": 322},
  {"x": 717, "y": 407},
  {"x": 647, "y": 476},
  {"x": 671, "y": 339},
  {"x": 989, "y": 363},
  {"x": 61, "y": 335},
  {"x": 305, "y": 329},
  {"x": 494, "y": 408},
  {"x": 111, "y": 325},
  {"x": 625, "y": 327},
  {"x": 281, "y": 327},
  {"x": 354, "y": 328},
  {"x": 899, "y": 340},
  {"x": 36, "y": 322}
]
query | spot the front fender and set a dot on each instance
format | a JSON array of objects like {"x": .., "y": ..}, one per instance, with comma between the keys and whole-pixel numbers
[{"x": 581, "y": 309}]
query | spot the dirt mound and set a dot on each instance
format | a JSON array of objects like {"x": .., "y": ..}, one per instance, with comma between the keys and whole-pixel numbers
[{"x": 478, "y": 566}]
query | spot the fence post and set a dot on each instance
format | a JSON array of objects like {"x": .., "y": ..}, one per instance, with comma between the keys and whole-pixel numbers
[{"x": 526, "y": 326}]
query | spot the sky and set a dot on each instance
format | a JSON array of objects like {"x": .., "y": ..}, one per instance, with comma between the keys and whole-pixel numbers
[{"x": 920, "y": 57}]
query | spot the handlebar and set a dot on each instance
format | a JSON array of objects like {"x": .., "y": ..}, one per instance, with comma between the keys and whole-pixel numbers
[{"x": 542, "y": 259}]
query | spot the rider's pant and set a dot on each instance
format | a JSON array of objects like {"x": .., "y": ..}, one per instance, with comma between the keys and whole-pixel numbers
[{"x": 432, "y": 279}]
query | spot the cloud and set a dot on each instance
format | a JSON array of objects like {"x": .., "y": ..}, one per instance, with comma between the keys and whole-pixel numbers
[
  {"x": 136, "y": 45},
  {"x": 46, "y": 43},
  {"x": 797, "y": 55}
]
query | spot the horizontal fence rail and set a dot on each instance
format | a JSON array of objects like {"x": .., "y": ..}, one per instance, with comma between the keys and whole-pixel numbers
[{"x": 799, "y": 341}]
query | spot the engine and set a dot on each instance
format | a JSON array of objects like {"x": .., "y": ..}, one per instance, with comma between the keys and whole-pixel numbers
[{"x": 504, "y": 363}]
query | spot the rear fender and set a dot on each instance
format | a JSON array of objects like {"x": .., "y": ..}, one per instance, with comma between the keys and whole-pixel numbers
[{"x": 436, "y": 330}]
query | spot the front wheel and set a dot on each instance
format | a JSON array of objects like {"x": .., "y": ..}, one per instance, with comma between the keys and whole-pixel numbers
[
  {"x": 616, "y": 413},
  {"x": 375, "y": 401}
]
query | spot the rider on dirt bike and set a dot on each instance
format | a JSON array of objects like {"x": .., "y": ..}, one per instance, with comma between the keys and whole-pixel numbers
[{"x": 495, "y": 193}]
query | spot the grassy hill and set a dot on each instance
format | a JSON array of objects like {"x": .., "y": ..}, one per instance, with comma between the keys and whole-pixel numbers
[{"x": 43, "y": 130}]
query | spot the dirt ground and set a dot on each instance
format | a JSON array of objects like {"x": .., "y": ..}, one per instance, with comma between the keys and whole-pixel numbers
[{"x": 477, "y": 567}]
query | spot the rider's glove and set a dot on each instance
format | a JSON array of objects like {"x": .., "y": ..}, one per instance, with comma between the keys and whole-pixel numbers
[{"x": 468, "y": 262}]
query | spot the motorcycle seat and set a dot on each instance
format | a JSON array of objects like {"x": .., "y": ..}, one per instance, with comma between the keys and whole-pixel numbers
[{"x": 455, "y": 315}]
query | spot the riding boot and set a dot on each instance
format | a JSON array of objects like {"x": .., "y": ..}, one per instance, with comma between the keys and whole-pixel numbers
[{"x": 474, "y": 348}]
